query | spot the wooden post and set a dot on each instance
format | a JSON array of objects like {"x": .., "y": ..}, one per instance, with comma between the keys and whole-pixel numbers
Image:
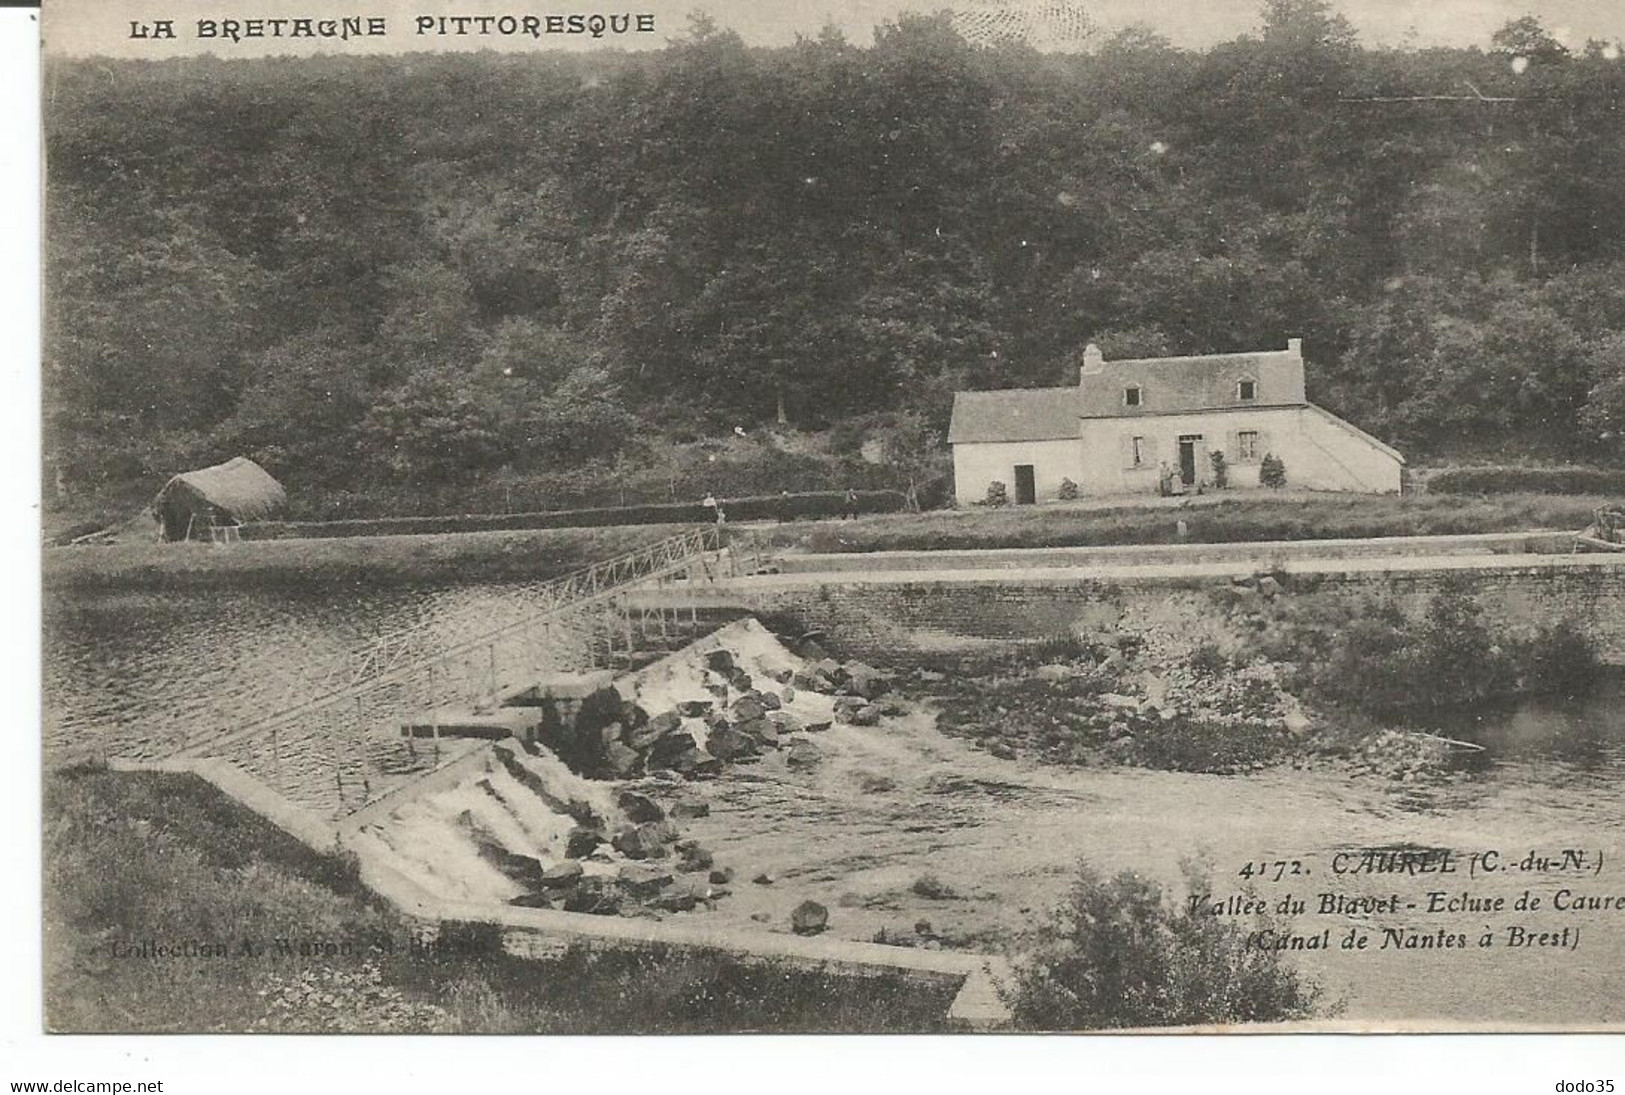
[
  {"x": 361, "y": 743},
  {"x": 434, "y": 714}
]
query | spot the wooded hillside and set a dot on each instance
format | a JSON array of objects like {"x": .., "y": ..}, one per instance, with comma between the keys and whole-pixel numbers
[{"x": 428, "y": 267}]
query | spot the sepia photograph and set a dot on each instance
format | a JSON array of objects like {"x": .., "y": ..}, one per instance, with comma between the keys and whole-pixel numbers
[{"x": 1009, "y": 516}]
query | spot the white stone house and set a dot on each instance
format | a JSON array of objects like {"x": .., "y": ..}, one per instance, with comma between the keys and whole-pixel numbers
[{"x": 1130, "y": 422}]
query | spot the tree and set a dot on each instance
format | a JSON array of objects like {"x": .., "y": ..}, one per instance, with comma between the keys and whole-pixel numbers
[
  {"x": 917, "y": 452},
  {"x": 432, "y": 429},
  {"x": 1272, "y": 472},
  {"x": 1527, "y": 37}
]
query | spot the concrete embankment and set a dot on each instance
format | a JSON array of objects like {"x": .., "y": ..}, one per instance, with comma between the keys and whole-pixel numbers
[
  {"x": 896, "y": 612},
  {"x": 1264, "y": 552},
  {"x": 545, "y": 933}
]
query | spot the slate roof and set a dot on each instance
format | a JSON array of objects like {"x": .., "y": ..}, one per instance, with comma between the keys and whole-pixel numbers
[
  {"x": 1168, "y": 385},
  {"x": 1015, "y": 414},
  {"x": 1206, "y": 382}
]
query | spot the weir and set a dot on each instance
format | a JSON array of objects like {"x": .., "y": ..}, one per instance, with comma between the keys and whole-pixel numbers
[{"x": 345, "y": 738}]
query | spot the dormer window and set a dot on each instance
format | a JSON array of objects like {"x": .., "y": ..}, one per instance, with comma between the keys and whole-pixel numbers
[
  {"x": 1131, "y": 396},
  {"x": 1246, "y": 390}
]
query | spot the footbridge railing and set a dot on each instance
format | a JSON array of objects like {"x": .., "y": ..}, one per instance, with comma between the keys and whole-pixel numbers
[{"x": 339, "y": 743}]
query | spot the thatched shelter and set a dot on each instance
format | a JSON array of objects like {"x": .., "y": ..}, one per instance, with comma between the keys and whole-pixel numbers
[{"x": 222, "y": 496}]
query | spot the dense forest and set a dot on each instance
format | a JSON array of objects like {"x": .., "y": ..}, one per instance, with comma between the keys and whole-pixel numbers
[{"x": 434, "y": 267}]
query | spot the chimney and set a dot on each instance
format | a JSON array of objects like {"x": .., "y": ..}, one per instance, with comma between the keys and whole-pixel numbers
[
  {"x": 1294, "y": 346},
  {"x": 1094, "y": 362}
]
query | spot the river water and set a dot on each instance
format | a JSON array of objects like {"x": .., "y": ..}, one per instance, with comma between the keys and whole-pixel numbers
[{"x": 138, "y": 673}]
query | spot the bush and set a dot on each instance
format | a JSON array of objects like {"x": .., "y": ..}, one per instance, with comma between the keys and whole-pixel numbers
[
  {"x": 1272, "y": 472},
  {"x": 997, "y": 495},
  {"x": 1201, "y": 745},
  {"x": 1118, "y": 954},
  {"x": 1069, "y": 491},
  {"x": 1509, "y": 480},
  {"x": 1382, "y": 662},
  {"x": 1221, "y": 470}
]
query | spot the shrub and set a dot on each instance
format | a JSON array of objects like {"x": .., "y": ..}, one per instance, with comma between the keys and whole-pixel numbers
[
  {"x": 1272, "y": 472},
  {"x": 1508, "y": 480},
  {"x": 1201, "y": 745},
  {"x": 1207, "y": 659},
  {"x": 930, "y": 886},
  {"x": 1119, "y": 954},
  {"x": 1069, "y": 491},
  {"x": 1382, "y": 662},
  {"x": 997, "y": 495},
  {"x": 1221, "y": 470}
]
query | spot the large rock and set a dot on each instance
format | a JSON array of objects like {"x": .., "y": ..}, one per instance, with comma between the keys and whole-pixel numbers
[
  {"x": 639, "y": 809},
  {"x": 582, "y": 842},
  {"x": 594, "y": 894},
  {"x": 642, "y": 880},
  {"x": 684, "y": 894},
  {"x": 719, "y": 661},
  {"x": 847, "y": 706},
  {"x": 817, "y": 727},
  {"x": 867, "y": 715},
  {"x": 645, "y": 841},
  {"x": 804, "y": 754},
  {"x": 621, "y": 761},
  {"x": 810, "y": 680},
  {"x": 769, "y": 701},
  {"x": 809, "y": 918},
  {"x": 691, "y": 809},
  {"x": 645, "y": 736},
  {"x": 747, "y": 708},
  {"x": 729, "y": 743},
  {"x": 784, "y": 722},
  {"x": 664, "y": 753},
  {"x": 697, "y": 762},
  {"x": 866, "y": 681},
  {"x": 561, "y": 874},
  {"x": 694, "y": 709},
  {"x": 694, "y": 856}
]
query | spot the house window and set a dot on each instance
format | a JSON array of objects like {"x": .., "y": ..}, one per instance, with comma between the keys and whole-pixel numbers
[
  {"x": 1247, "y": 445},
  {"x": 1246, "y": 389},
  {"x": 1131, "y": 396},
  {"x": 1139, "y": 452}
]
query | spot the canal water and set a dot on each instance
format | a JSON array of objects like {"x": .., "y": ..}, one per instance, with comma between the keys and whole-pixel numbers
[{"x": 136, "y": 673}]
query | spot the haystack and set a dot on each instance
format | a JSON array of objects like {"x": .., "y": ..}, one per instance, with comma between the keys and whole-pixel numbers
[{"x": 223, "y": 495}]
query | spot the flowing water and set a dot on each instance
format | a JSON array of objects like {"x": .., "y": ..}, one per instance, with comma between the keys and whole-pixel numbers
[{"x": 899, "y": 824}]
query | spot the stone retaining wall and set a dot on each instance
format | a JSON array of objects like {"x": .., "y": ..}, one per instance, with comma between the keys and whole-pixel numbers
[{"x": 894, "y": 615}]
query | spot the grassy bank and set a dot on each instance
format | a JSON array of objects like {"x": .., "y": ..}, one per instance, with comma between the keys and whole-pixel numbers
[
  {"x": 133, "y": 859},
  {"x": 438, "y": 557},
  {"x": 1230, "y": 520},
  {"x": 542, "y": 553}
]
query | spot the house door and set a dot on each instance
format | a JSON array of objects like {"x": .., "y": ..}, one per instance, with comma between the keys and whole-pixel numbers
[
  {"x": 1026, "y": 493},
  {"x": 1187, "y": 458}
]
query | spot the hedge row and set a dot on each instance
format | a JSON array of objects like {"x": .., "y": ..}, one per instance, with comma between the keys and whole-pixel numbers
[
  {"x": 807, "y": 505},
  {"x": 1529, "y": 480}
]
